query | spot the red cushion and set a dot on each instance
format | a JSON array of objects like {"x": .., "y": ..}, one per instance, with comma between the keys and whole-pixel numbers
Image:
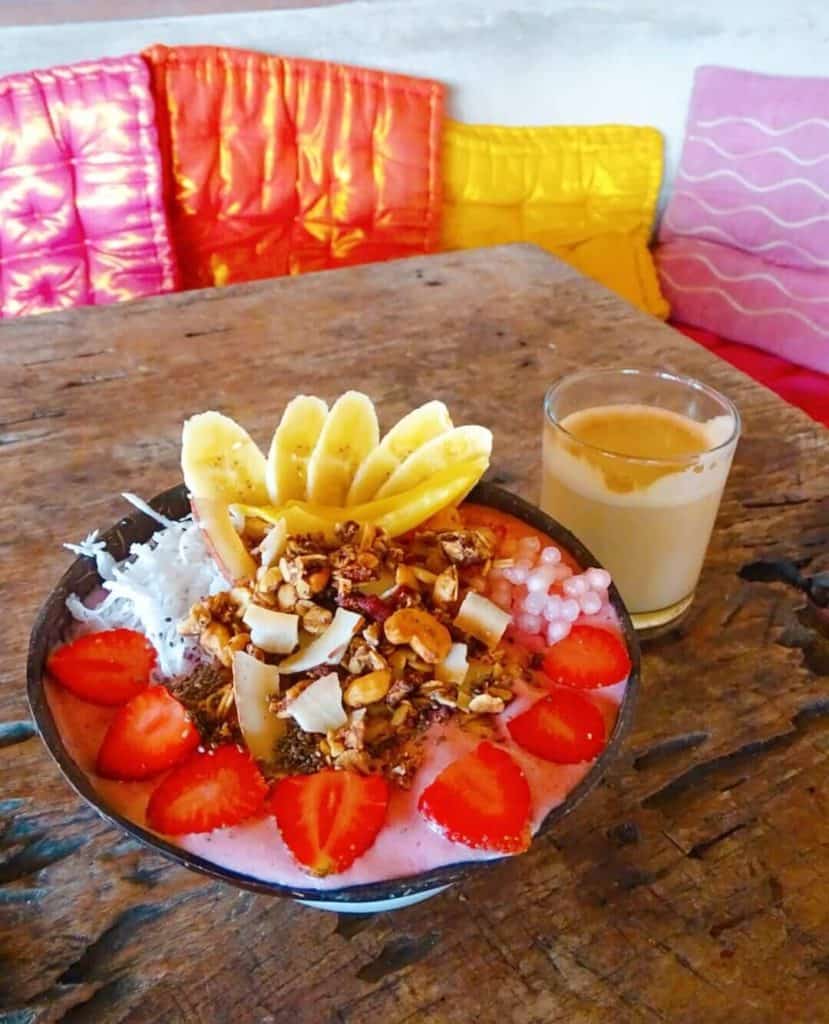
[{"x": 807, "y": 389}]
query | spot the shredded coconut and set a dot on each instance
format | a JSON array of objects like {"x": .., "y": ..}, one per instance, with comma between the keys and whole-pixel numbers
[{"x": 153, "y": 588}]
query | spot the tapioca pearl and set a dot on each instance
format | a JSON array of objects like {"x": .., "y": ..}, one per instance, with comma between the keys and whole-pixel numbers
[
  {"x": 590, "y": 603},
  {"x": 550, "y": 556},
  {"x": 515, "y": 574},
  {"x": 540, "y": 579},
  {"x": 557, "y": 630},
  {"x": 528, "y": 546},
  {"x": 575, "y": 586},
  {"x": 535, "y": 602},
  {"x": 529, "y": 623},
  {"x": 570, "y": 609},
  {"x": 597, "y": 579},
  {"x": 552, "y": 607},
  {"x": 563, "y": 572}
]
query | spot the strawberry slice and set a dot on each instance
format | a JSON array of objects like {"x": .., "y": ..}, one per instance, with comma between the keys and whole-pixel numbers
[
  {"x": 149, "y": 734},
  {"x": 565, "y": 727},
  {"x": 330, "y": 818},
  {"x": 481, "y": 800},
  {"x": 107, "y": 668},
  {"x": 588, "y": 657},
  {"x": 211, "y": 789}
]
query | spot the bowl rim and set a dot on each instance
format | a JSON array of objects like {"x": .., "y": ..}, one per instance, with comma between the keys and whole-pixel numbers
[{"x": 53, "y": 618}]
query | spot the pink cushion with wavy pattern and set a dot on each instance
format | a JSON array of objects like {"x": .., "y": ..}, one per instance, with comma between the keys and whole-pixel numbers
[
  {"x": 82, "y": 216},
  {"x": 745, "y": 240}
]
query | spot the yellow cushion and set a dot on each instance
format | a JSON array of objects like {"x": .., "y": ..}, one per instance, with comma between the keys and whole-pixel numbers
[{"x": 587, "y": 194}]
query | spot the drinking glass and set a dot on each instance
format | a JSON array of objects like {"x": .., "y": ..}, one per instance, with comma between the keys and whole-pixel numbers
[{"x": 634, "y": 464}]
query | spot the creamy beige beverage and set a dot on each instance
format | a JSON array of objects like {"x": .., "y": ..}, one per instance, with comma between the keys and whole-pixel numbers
[{"x": 640, "y": 485}]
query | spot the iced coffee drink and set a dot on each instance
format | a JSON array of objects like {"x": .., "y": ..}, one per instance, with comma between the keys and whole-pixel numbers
[{"x": 635, "y": 464}]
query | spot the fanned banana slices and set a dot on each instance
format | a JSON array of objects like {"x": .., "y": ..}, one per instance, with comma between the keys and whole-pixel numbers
[{"x": 324, "y": 460}]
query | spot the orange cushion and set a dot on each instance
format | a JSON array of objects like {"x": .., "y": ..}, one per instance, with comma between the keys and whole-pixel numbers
[{"x": 282, "y": 166}]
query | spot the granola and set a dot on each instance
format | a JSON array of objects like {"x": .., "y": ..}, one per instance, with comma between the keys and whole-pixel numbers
[{"x": 406, "y": 593}]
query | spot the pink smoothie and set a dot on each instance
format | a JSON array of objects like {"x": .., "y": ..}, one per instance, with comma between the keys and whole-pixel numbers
[{"x": 407, "y": 844}]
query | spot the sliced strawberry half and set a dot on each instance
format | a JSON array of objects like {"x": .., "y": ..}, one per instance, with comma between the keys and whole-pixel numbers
[
  {"x": 209, "y": 790},
  {"x": 148, "y": 735},
  {"x": 330, "y": 818},
  {"x": 481, "y": 800},
  {"x": 107, "y": 668},
  {"x": 588, "y": 657},
  {"x": 565, "y": 727}
]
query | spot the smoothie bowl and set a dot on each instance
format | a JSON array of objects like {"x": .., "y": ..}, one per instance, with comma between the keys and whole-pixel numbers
[{"x": 348, "y": 673}]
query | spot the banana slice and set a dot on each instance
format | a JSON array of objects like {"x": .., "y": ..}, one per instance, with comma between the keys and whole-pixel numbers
[
  {"x": 349, "y": 433},
  {"x": 293, "y": 442},
  {"x": 445, "y": 450},
  {"x": 221, "y": 461},
  {"x": 405, "y": 437}
]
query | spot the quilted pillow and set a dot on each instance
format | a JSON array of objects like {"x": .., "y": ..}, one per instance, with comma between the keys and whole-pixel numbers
[
  {"x": 587, "y": 194},
  {"x": 81, "y": 206},
  {"x": 745, "y": 239},
  {"x": 281, "y": 166}
]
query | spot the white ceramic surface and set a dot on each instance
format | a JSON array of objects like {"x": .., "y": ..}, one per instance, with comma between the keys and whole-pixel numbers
[{"x": 373, "y": 906}]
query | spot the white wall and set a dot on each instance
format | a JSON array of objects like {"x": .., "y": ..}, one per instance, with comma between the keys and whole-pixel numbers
[{"x": 528, "y": 62}]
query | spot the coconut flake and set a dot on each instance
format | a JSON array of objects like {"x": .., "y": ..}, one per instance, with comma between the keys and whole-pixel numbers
[
  {"x": 319, "y": 708},
  {"x": 147, "y": 509},
  {"x": 483, "y": 619},
  {"x": 329, "y": 647},
  {"x": 273, "y": 544},
  {"x": 275, "y": 632},
  {"x": 254, "y": 683},
  {"x": 454, "y": 666},
  {"x": 151, "y": 590}
]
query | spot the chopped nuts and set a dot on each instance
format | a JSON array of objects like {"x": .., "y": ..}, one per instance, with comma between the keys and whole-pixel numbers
[
  {"x": 239, "y": 642},
  {"x": 427, "y": 637},
  {"x": 372, "y": 634},
  {"x": 286, "y": 597},
  {"x": 268, "y": 580},
  {"x": 367, "y": 689},
  {"x": 214, "y": 638},
  {"x": 363, "y": 658},
  {"x": 445, "y": 587},
  {"x": 315, "y": 619},
  {"x": 401, "y": 713},
  {"x": 309, "y": 573},
  {"x": 467, "y": 547}
]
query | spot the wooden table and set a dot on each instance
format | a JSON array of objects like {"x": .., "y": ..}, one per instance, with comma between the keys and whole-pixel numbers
[{"x": 692, "y": 886}]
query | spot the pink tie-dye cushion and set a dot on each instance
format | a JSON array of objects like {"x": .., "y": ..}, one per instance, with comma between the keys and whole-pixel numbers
[
  {"x": 744, "y": 244},
  {"x": 82, "y": 216}
]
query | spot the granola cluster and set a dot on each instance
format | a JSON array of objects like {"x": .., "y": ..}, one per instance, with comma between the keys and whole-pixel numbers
[{"x": 395, "y": 673}]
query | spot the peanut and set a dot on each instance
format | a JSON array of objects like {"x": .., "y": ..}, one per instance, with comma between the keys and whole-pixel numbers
[
  {"x": 401, "y": 713},
  {"x": 367, "y": 689},
  {"x": 428, "y": 638},
  {"x": 268, "y": 580},
  {"x": 239, "y": 642},
  {"x": 214, "y": 639}
]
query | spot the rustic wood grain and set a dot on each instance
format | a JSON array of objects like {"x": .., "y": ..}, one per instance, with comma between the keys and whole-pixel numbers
[{"x": 692, "y": 886}]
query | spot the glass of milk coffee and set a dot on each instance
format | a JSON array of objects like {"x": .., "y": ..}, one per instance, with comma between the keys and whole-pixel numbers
[{"x": 635, "y": 463}]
